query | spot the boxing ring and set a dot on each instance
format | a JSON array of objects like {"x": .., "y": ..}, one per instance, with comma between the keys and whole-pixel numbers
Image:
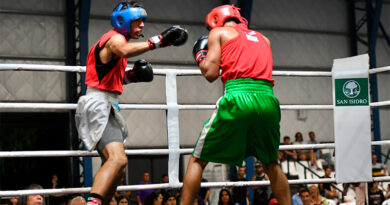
[{"x": 173, "y": 151}]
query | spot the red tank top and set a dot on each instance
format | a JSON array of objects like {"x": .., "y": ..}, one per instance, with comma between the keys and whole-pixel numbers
[
  {"x": 246, "y": 56},
  {"x": 108, "y": 76}
]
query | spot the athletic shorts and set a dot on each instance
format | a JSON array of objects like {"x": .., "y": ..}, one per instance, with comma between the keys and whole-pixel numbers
[
  {"x": 245, "y": 123},
  {"x": 97, "y": 117},
  {"x": 112, "y": 133}
]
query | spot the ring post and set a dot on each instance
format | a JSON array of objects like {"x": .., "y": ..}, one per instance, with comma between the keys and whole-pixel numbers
[{"x": 352, "y": 121}]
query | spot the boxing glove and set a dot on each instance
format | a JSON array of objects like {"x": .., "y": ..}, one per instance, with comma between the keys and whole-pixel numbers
[
  {"x": 142, "y": 72},
  {"x": 174, "y": 35},
  {"x": 200, "y": 49}
]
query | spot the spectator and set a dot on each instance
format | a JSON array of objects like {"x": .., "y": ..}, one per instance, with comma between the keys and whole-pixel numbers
[
  {"x": 123, "y": 200},
  {"x": 57, "y": 199},
  {"x": 314, "y": 153},
  {"x": 387, "y": 191},
  {"x": 326, "y": 189},
  {"x": 13, "y": 200},
  {"x": 78, "y": 200},
  {"x": 316, "y": 197},
  {"x": 35, "y": 199},
  {"x": 113, "y": 201},
  {"x": 204, "y": 192},
  {"x": 141, "y": 194},
  {"x": 305, "y": 197},
  {"x": 260, "y": 195},
  {"x": 375, "y": 195},
  {"x": 240, "y": 194},
  {"x": 378, "y": 169},
  {"x": 288, "y": 154},
  {"x": 155, "y": 198},
  {"x": 225, "y": 198},
  {"x": 170, "y": 198},
  {"x": 301, "y": 154},
  {"x": 296, "y": 198}
]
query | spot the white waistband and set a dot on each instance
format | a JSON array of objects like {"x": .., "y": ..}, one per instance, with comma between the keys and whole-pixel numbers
[{"x": 113, "y": 95}]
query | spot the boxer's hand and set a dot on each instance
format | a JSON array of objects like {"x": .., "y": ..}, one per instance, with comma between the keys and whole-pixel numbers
[
  {"x": 200, "y": 49},
  {"x": 141, "y": 72},
  {"x": 172, "y": 36}
]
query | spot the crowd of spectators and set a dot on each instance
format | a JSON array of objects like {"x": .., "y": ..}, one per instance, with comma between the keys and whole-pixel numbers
[{"x": 325, "y": 193}]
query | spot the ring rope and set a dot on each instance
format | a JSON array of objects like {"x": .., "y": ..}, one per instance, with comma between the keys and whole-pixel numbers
[
  {"x": 179, "y": 185},
  {"x": 41, "y": 67},
  {"x": 72, "y": 106},
  {"x": 79, "y": 153}
]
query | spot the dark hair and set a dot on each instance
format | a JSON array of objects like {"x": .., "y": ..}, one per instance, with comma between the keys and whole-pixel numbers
[
  {"x": 123, "y": 197},
  {"x": 24, "y": 199},
  {"x": 231, "y": 202},
  {"x": 286, "y": 137},
  {"x": 168, "y": 195},
  {"x": 151, "y": 197},
  {"x": 304, "y": 190},
  {"x": 296, "y": 135}
]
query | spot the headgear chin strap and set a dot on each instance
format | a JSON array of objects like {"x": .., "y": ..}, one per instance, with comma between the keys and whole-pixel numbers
[
  {"x": 121, "y": 18},
  {"x": 218, "y": 16}
]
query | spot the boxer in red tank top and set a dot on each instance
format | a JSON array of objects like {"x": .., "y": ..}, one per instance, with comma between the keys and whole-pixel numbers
[
  {"x": 246, "y": 121},
  {"x": 98, "y": 127}
]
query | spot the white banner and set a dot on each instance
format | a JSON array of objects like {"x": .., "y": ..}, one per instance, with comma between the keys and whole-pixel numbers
[{"x": 352, "y": 121}]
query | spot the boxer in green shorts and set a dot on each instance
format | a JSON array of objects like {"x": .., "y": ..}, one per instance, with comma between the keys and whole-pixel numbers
[{"x": 246, "y": 121}]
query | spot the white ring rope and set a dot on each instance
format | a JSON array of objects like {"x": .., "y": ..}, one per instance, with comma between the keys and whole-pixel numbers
[
  {"x": 70, "y": 106},
  {"x": 40, "y": 67},
  {"x": 79, "y": 153},
  {"x": 165, "y": 186}
]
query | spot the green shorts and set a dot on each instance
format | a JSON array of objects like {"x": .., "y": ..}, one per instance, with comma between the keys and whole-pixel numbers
[{"x": 246, "y": 123}]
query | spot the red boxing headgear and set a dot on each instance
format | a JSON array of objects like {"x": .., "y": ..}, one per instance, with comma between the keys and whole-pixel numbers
[{"x": 218, "y": 16}]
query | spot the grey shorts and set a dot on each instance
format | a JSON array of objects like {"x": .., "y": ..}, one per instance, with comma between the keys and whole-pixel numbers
[{"x": 112, "y": 133}]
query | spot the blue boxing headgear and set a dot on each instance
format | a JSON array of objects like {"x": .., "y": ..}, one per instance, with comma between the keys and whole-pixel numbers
[{"x": 121, "y": 17}]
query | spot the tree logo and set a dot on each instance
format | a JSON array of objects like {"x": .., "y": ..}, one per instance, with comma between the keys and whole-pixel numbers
[{"x": 351, "y": 89}]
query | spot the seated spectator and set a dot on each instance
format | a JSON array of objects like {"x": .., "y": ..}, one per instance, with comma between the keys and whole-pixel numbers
[
  {"x": 113, "y": 201},
  {"x": 301, "y": 154},
  {"x": 204, "y": 192},
  {"x": 289, "y": 155},
  {"x": 170, "y": 198},
  {"x": 378, "y": 169},
  {"x": 375, "y": 195},
  {"x": 123, "y": 200},
  {"x": 316, "y": 197},
  {"x": 57, "y": 199},
  {"x": 326, "y": 189},
  {"x": 260, "y": 195},
  {"x": 155, "y": 198},
  {"x": 314, "y": 153},
  {"x": 164, "y": 179},
  {"x": 305, "y": 197},
  {"x": 141, "y": 194},
  {"x": 296, "y": 198},
  {"x": 13, "y": 200},
  {"x": 225, "y": 197},
  {"x": 387, "y": 191},
  {"x": 35, "y": 199},
  {"x": 78, "y": 200},
  {"x": 240, "y": 194}
]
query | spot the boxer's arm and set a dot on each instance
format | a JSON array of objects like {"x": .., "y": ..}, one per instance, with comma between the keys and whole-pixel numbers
[
  {"x": 210, "y": 66},
  {"x": 120, "y": 47}
]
